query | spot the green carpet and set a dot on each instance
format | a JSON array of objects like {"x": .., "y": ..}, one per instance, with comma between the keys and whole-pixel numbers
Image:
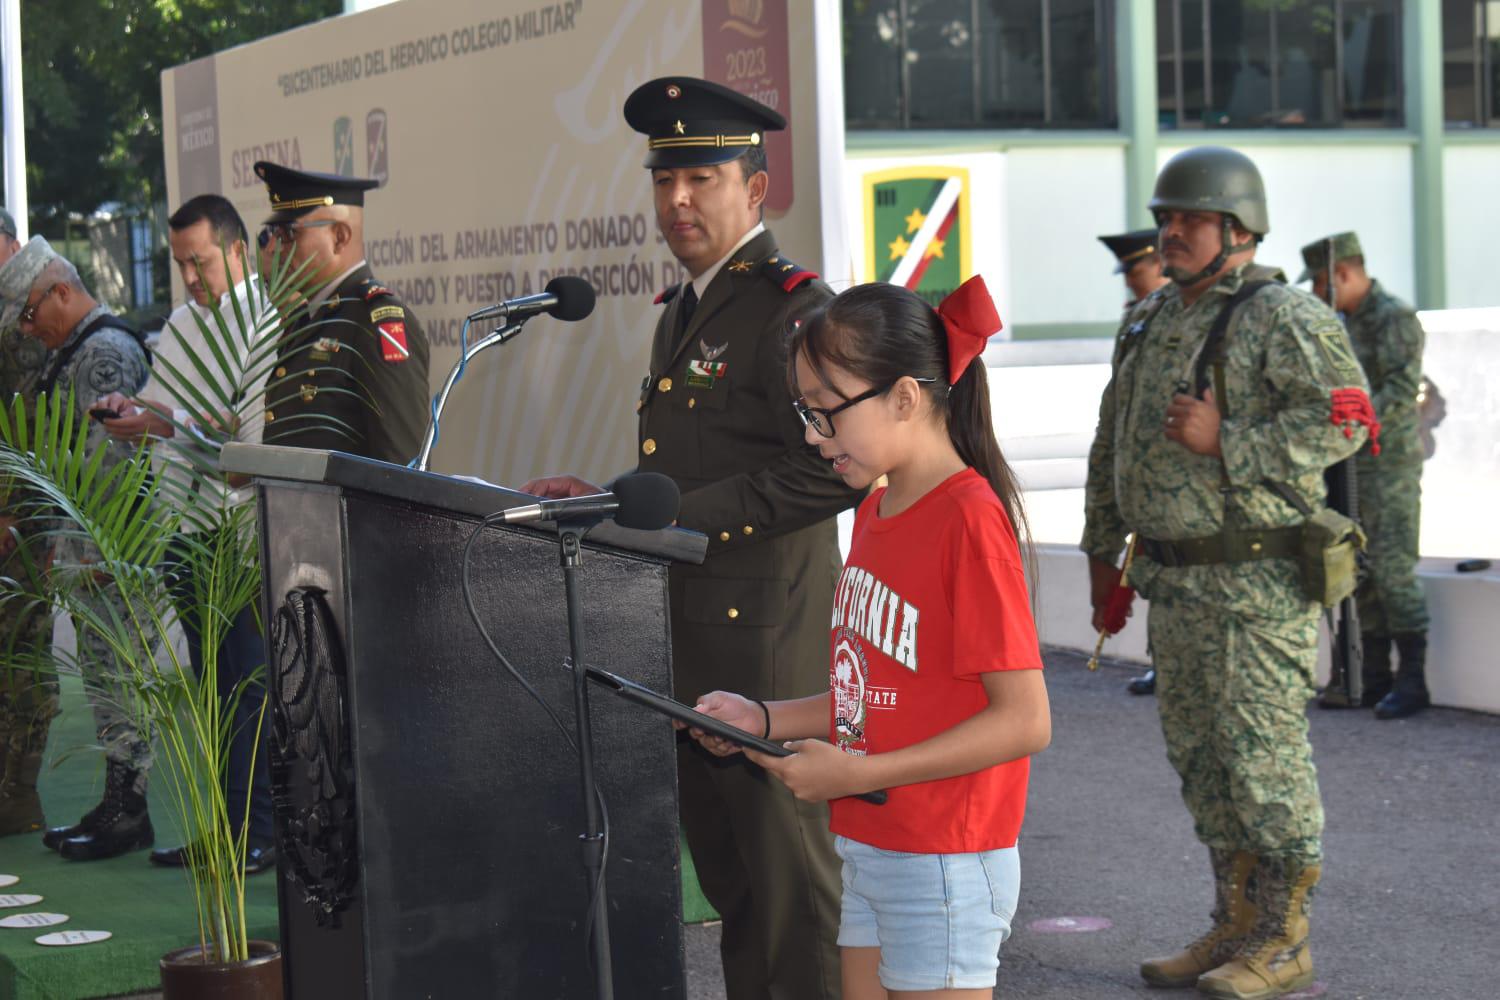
[{"x": 148, "y": 909}]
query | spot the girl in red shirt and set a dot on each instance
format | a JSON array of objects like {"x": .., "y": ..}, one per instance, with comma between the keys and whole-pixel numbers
[{"x": 935, "y": 688}]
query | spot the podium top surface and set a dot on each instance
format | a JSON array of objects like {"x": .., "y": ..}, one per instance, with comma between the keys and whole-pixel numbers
[{"x": 432, "y": 489}]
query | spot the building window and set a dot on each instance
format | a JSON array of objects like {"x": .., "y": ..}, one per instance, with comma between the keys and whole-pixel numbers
[
  {"x": 1279, "y": 63},
  {"x": 979, "y": 64},
  {"x": 1471, "y": 63}
]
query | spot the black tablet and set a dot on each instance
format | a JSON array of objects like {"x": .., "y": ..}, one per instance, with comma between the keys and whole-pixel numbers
[{"x": 631, "y": 691}]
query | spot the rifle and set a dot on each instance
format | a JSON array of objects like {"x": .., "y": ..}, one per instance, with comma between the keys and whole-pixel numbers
[{"x": 1346, "y": 680}]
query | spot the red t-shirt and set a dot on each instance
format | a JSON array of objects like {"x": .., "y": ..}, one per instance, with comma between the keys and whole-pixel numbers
[{"x": 929, "y": 600}]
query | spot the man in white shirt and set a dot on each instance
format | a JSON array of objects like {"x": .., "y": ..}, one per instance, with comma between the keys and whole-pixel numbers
[{"x": 211, "y": 366}]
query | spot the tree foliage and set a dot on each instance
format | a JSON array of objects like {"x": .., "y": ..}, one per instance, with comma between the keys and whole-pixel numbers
[{"x": 92, "y": 80}]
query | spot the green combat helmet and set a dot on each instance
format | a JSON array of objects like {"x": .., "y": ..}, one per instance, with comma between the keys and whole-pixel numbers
[
  {"x": 1315, "y": 254},
  {"x": 1214, "y": 179}
]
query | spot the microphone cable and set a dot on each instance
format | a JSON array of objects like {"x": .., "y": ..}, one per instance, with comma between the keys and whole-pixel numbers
[
  {"x": 536, "y": 696},
  {"x": 432, "y": 406}
]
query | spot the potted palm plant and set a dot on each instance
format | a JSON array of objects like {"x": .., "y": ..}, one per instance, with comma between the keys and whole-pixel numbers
[{"x": 131, "y": 518}]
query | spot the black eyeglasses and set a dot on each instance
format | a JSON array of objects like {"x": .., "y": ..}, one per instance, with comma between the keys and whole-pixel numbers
[
  {"x": 821, "y": 420},
  {"x": 28, "y": 315},
  {"x": 286, "y": 232}
]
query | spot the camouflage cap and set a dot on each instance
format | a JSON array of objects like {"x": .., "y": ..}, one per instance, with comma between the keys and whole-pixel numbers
[
  {"x": 7, "y": 222},
  {"x": 1314, "y": 255},
  {"x": 19, "y": 274}
]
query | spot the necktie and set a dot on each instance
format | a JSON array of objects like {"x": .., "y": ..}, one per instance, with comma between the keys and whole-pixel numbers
[{"x": 689, "y": 303}]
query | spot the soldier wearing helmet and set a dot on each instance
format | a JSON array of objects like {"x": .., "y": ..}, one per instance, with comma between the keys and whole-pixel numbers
[{"x": 1231, "y": 393}]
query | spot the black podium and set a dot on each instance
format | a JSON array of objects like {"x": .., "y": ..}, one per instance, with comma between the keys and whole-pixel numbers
[{"x": 428, "y": 811}]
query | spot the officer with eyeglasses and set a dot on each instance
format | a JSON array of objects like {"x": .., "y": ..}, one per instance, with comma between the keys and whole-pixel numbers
[{"x": 351, "y": 372}]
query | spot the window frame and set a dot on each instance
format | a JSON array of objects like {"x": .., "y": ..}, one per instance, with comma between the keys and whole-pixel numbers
[
  {"x": 1340, "y": 121},
  {"x": 1105, "y": 30}
]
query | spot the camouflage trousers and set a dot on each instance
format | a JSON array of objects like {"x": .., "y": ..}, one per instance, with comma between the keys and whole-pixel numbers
[
  {"x": 1390, "y": 508},
  {"x": 106, "y": 682},
  {"x": 1233, "y": 690},
  {"x": 28, "y": 703}
]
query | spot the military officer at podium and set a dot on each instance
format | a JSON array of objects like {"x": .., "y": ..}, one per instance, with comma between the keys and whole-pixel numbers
[
  {"x": 351, "y": 372},
  {"x": 715, "y": 414}
]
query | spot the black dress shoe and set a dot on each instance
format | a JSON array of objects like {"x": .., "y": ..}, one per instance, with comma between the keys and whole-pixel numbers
[
  {"x": 260, "y": 858},
  {"x": 1144, "y": 684},
  {"x": 170, "y": 857}
]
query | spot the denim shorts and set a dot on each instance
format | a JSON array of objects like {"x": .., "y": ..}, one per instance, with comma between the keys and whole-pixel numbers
[{"x": 938, "y": 919}]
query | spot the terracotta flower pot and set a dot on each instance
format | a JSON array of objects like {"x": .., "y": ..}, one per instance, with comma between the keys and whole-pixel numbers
[{"x": 186, "y": 976}]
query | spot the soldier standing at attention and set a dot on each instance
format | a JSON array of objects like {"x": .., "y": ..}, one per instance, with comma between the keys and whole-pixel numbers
[
  {"x": 28, "y": 691},
  {"x": 351, "y": 372},
  {"x": 1388, "y": 342},
  {"x": 1194, "y": 427},
  {"x": 1141, "y": 264},
  {"x": 716, "y": 415}
]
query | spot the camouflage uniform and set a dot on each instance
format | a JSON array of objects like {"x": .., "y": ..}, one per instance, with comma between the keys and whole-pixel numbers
[
  {"x": 1388, "y": 342},
  {"x": 28, "y": 687},
  {"x": 110, "y": 360},
  {"x": 1234, "y": 643}
]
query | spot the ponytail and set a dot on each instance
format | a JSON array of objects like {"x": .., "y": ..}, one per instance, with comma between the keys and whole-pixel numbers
[{"x": 880, "y": 332}]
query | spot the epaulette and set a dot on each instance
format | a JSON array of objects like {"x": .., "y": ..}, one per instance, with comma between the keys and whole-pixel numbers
[
  {"x": 372, "y": 289},
  {"x": 666, "y": 294},
  {"x": 785, "y": 273}
]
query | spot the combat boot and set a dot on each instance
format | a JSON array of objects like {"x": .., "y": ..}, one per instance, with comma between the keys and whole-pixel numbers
[
  {"x": 1233, "y": 916},
  {"x": 1409, "y": 695},
  {"x": 1276, "y": 960},
  {"x": 121, "y": 822},
  {"x": 1376, "y": 669}
]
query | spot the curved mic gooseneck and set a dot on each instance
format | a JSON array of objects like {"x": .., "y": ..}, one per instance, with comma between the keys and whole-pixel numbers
[{"x": 566, "y": 297}]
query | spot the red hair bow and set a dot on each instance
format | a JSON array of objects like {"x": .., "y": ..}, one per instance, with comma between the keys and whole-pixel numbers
[{"x": 970, "y": 318}]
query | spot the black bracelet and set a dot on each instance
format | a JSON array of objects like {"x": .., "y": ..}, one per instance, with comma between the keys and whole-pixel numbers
[{"x": 767, "y": 734}]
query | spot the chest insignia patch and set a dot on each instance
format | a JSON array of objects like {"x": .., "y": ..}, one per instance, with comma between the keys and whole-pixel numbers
[
  {"x": 711, "y": 352},
  {"x": 703, "y": 374},
  {"x": 328, "y": 345}
]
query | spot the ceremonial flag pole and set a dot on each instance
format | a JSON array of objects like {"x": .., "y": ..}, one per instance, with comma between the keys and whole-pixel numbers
[{"x": 14, "y": 116}]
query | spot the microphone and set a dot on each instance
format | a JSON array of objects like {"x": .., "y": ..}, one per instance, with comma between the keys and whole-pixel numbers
[
  {"x": 646, "y": 501},
  {"x": 565, "y": 297}
]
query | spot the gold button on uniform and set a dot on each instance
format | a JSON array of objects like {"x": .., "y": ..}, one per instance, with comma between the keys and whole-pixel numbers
[
  {"x": 748, "y": 530},
  {"x": 649, "y": 446},
  {"x": 734, "y": 612},
  {"x": 665, "y": 385},
  {"x": 270, "y": 416},
  {"x": 692, "y": 402},
  {"x": 723, "y": 536},
  {"x": 281, "y": 373}
]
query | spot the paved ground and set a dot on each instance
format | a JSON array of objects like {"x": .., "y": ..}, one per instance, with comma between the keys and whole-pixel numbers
[{"x": 1410, "y": 903}]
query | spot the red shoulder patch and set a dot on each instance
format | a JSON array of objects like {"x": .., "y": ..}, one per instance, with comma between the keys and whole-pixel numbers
[{"x": 393, "y": 346}]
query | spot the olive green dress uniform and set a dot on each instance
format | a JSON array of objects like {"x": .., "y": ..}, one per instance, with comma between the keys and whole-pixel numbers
[
  {"x": 716, "y": 416},
  {"x": 351, "y": 375}
]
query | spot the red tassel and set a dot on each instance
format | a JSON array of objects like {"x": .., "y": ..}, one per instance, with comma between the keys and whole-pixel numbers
[
  {"x": 1117, "y": 609},
  {"x": 1353, "y": 406}
]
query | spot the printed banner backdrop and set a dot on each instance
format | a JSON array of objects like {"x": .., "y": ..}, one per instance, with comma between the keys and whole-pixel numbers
[
  {"x": 913, "y": 223},
  {"x": 495, "y": 126}
]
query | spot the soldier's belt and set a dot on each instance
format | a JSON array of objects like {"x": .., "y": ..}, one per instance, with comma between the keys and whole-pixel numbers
[{"x": 1226, "y": 547}]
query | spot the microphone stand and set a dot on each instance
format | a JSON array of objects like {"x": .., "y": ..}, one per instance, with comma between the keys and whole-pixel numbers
[
  {"x": 498, "y": 336},
  {"x": 570, "y": 538}
]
